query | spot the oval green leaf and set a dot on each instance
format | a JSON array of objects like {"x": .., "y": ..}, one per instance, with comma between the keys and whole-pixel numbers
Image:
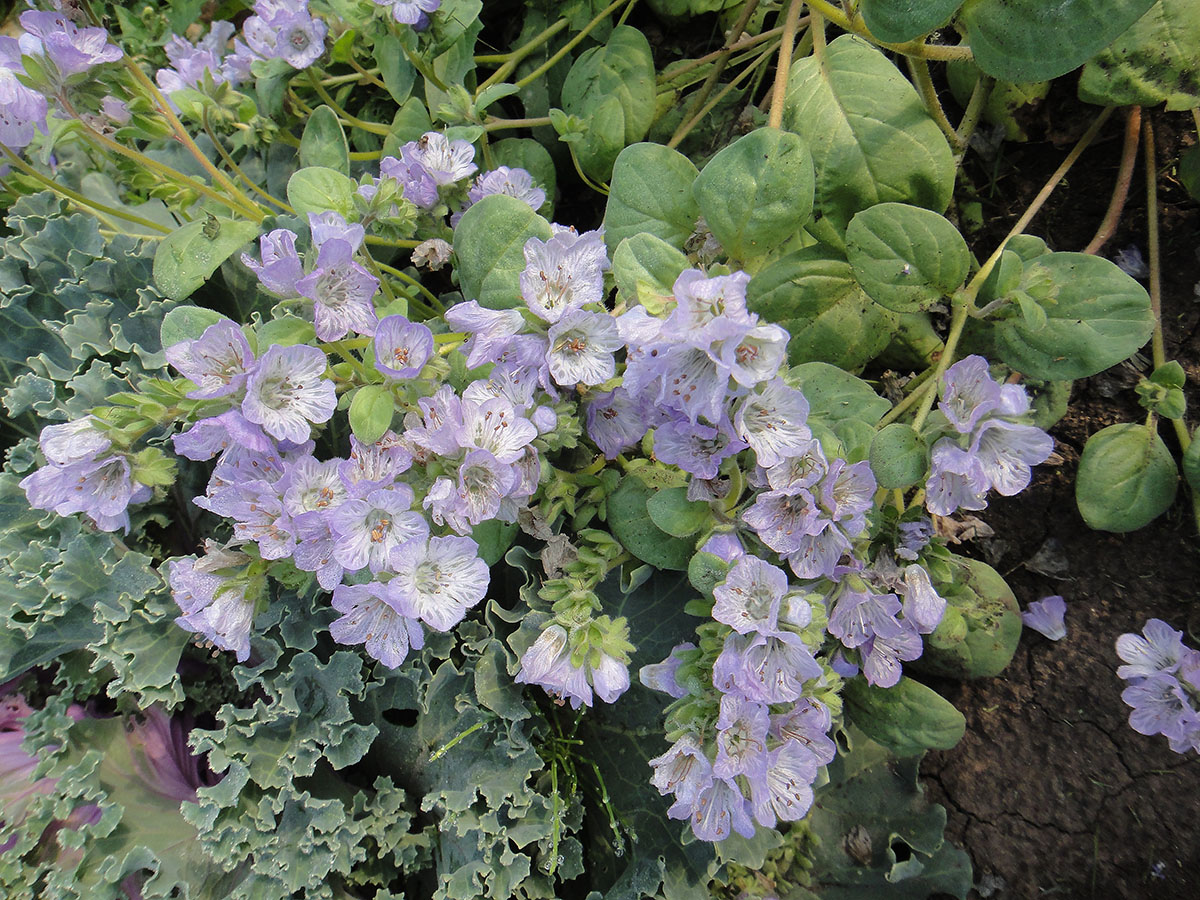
[
  {"x": 899, "y": 456},
  {"x": 186, "y": 257},
  {"x": 812, "y": 293},
  {"x": 324, "y": 143},
  {"x": 869, "y": 134},
  {"x": 645, "y": 268},
  {"x": 907, "y": 719},
  {"x": 651, "y": 193},
  {"x": 186, "y": 323},
  {"x": 757, "y": 192},
  {"x": 631, "y": 524},
  {"x": 489, "y": 244},
  {"x": 906, "y": 258},
  {"x": 672, "y": 512},
  {"x": 371, "y": 412},
  {"x": 318, "y": 189},
  {"x": 1032, "y": 40},
  {"x": 897, "y": 21},
  {"x": 979, "y": 632},
  {"x": 1127, "y": 478},
  {"x": 1096, "y": 316}
]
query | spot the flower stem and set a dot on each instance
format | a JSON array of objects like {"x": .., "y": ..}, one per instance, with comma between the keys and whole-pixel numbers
[
  {"x": 683, "y": 132},
  {"x": 918, "y": 49},
  {"x": 370, "y": 127},
  {"x": 571, "y": 44},
  {"x": 1133, "y": 127},
  {"x": 919, "y": 69},
  {"x": 787, "y": 44},
  {"x": 237, "y": 170}
]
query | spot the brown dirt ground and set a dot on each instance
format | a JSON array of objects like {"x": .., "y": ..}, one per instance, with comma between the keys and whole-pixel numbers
[{"x": 1050, "y": 792}]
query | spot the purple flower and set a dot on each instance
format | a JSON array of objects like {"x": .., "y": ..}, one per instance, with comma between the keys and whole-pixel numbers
[
  {"x": 1157, "y": 650},
  {"x": 741, "y": 737},
  {"x": 748, "y": 599},
  {"x": 446, "y": 162},
  {"x": 563, "y": 273},
  {"x": 765, "y": 668},
  {"x": 726, "y": 545},
  {"x": 786, "y": 793},
  {"x": 217, "y": 362},
  {"x": 312, "y": 486},
  {"x": 512, "y": 182},
  {"x": 258, "y": 516},
  {"x": 369, "y": 619},
  {"x": 100, "y": 488},
  {"x": 818, "y": 553},
  {"x": 720, "y": 807},
  {"x": 376, "y": 465},
  {"x": 923, "y": 606},
  {"x": 437, "y": 580},
  {"x": 495, "y": 426},
  {"x": 807, "y": 723},
  {"x": 22, "y": 109},
  {"x": 332, "y": 226},
  {"x": 610, "y": 677},
  {"x": 771, "y": 420},
  {"x": 663, "y": 676},
  {"x": 695, "y": 448},
  {"x": 218, "y": 434},
  {"x": 859, "y": 615},
  {"x": 283, "y": 29},
  {"x": 416, "y": 184},
  {"x": 369, "y": 530},
  {"x": 547, "y": 663},
  {"x": 802, "y": 470},
  {"x": 848, "y": 493},
  {"x": 968, "y": 393},
  {"x": 286, "y": 393},
  {"x": 316, "y": 549},
  {"x": 409, "y": 12},
  {"x": 72, "y": 50},
  {"x": 708, "y": 309},
  {"x": 782, "y": 519},
  {"x": 191, "y": 63},
  {"x": 694, "y": 384},
  {"x": 1045, "y": 616},
  {"x": 956, "y": 480},
  {"x": 402, "y": 347},
  {"x": 1160, "y": 706},
  {"x": 616, "y": 420},
  {"x": 341, "y": 291},
  {"x": 912, "y": 538},
  {"x": 882, "y": 655},
  {"x": 756, "y": 355},
  {"x": 214, "y": 602},
  {"x": 581, "y": 348},
  {"x": 492, "y": 330},
  {"x": 684, "y": 771},
  {"x": 483, "y": 482},
  {"x": 1006, "y": 450},
  {"x": 72, "y": 442},
  {"x": 281, "y": 266}
]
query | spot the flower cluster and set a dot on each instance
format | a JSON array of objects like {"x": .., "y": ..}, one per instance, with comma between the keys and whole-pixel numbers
[
  {"x": 284, "y": 29},
  {"x": 1164, "y": 684},
  {"x": 991, "y": 447},
  {"x": 410, "y": 12},
  {"x": 83, "y": 476},
  {"x": 208, "y": 59}
]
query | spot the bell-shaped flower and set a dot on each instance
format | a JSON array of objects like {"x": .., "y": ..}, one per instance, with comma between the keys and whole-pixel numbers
[
  {"x": 369, "y": 619},
  {"x": 286, "y": 393}
]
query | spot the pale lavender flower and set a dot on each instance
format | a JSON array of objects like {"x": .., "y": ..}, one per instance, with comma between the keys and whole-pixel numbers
[
  {"x": 912, "y": 538},
  {"x": 923, "y": 606},
  {"x": 771, "y": 420},
  {"x": 581, "y": 348},
  {"x": 409, "y": 12},
  {"x": 437, "y": 430},
  {"x": 609, "y": 677},
  {"x": 259, "y": 516},
  {"x": 512, "y": 182},
  {"x": 956, "y": 480},
  {"x": 1130, "y": 261},
  {"x": 416, "y": 184},
  {"x": 785, "y": 793},
  {"x": 438, "y": 579},
  {"x": 1157, "y": 650},
  {"x": 708, "y": 309},
  {"x": 286, "y": 394},
  {"x": 217, "y": 362},
  {"x": 726, "y": 545},
  {"x": 213, "y": 601},
  {"x": 1045, "y": 616},
  {"x": 859, "y": 615},
  {"x": 72, "y": 50},
  {"x": 820, "y": 551},
  {"x": 483, "y": 481},
  {"x": 882, "y": 655},
  {"x": 369, "y": 619},
  {"x": 491, "y": 330},
  {"x": 807, "y": 723},
  {"x": 446, "y": 161},
  {"x": 332, "y": 226},
  {"x": 765, "y": 668},
  {"x": 755, "y": 356},
  {"x": 515, "y": 383},
  {"x": 218, "y": 434},
  {"x": 496, "y": 427},
  {"x": 742, "y": 728},
  {"x": 684, "y": 771},
  {"x": 782, "y": 519},
  {"x": 369, "y": 529},
  {"x": 376, "y": 465},
  {"x": 72, "y": 442},
  {"x": 968, "y": 393},
  {"x": 191, "y": 63},
  {"x": 341, "y": 291},
  {"x": 316, "y": 548},
  {"x": 309, "y": 485},
  {"x": 748, "y": 599},
  {"x": 1006, "y": 450},
  {"x": 402, "y": 347},
  {"x": 100, "y": 488},
  {"x": 284, "y": 29},
  {"x": 802, "y": 470},
  {"x": 1160, "y": 706},
  {"x": 720, "y": 809},
  {"x": 117, "y": 111},
  {"x": 616, "y": 420},
  {"x": 563, "y": 273},
  {"x": 691, "y": 382},
  {"x": 663, "y": 676},
  {"x": 695, "y": 448},
  {"x": 22, "y": 109},
  {"x": 281, "y": 266}
]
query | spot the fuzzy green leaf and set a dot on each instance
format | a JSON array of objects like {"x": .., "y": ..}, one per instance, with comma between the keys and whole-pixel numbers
[{"x": 1127, "y": 478}]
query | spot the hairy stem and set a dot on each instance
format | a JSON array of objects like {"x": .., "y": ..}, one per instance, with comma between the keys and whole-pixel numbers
[
  {"x": 786, "y": 46},
  {"x": 720, "y": 62},
  {"x": 1108, "y": 225}
]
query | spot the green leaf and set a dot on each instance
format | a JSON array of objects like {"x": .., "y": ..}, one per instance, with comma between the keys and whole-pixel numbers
[
  {"x": 187, "y": 323},
  {"x": 611, "y": 86},
  {"x": 645, "y": 268},
  {"x": 1191, "y": 464},
  {"x": 397, "y": 72},
  {"x": 1003, "y": 101},
  {"x": 1156, "y": 61},
  {"x": 494, "y": 538},
  {"x": 813, "y": 294},
  {"x": 371, "y": 412},
  {"x": 899, "y": 456},
  {"x": 978, "y": 634},
  {"x": 186, "y": 258},
  {"x": 897, "y": 21},
  {"x": 1096, "y": 317},
  {"x": 906, "y": 258},
  {"x": 286, "y": 331},
  {"x": 489, "y": 244},
  {"x": 323, "y": 142},
  {"x": 317, "y": 189},
  {"x": 1126, "y": 479},
  {"x": 835, "y": 396},
  {"x": 907, "y": 719},
  {"x": 1032, "y": 40},
  {"x": 871, "y": 139},
  {"x": 651, "y": 193},
  {"x": 631, "y": 524},
  {"x": 757, "y": 192},
  {"x": 1189, "y": 171},
  {"x": 705, "y": 572},
  {"x": 671, "y": 511}
]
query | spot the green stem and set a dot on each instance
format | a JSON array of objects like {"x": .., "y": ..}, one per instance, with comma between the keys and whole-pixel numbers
[
  {"x": 435, "y": 304},
  {"x": 388, "y": 242},
  {"x": 919, "y": 69},
  {"x": 966, "y": 125},
  {"x": 494, "y": 124},
  {"x": 510, "y": 61},
  {"x": 368, "y": 75},
  {"x": 787, "y": 44},
  {"x": 924, "y": 383},
  {"x": 237, "y": 170},
  {"x": 682, "y": 133},
  {"x": 458, "y": 737},
  {"x": 80, "y": 200},
  {"x": 598, "y": 188},
  {"x": 421, "y": 65},
  {"x": 744, "y": 44},
  {"x": 571, "y": 44},
  {"x": 1116, "y": 205},
  {"x": 720, "y": 62},
  {"x": 918, "y": 49},
  {"x": 256, "y": 212},
  {"x": 371, "y": 127}
]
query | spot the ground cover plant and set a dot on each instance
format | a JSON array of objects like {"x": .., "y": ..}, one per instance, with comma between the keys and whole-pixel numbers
[{"x": 535, "y": 449}]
